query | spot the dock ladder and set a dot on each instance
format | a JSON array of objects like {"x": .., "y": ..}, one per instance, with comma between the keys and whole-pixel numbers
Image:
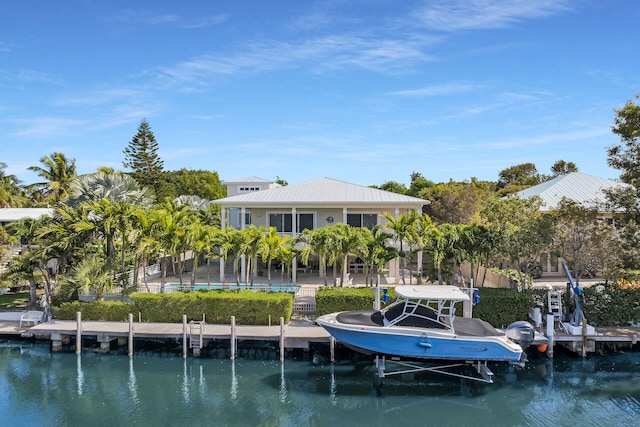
[{"x": 195, "y": 334}]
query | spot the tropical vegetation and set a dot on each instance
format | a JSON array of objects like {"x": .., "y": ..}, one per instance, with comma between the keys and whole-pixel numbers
[{"x": 109, "y": 225}]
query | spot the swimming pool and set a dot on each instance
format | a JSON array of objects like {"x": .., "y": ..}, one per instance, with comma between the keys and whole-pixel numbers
[{"x": 230, "y": 286}]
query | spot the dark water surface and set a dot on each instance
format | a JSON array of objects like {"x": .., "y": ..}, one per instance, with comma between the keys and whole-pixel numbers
[{"x": 39, "y": 388}]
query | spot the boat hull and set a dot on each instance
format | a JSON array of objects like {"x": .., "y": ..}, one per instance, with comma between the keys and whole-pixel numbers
[{"x": 421, "y": 343}]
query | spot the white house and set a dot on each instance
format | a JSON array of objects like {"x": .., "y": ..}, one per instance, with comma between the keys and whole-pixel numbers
[
  {"x": 310, "y": 205},
  {"x": 587, "y": 190}
]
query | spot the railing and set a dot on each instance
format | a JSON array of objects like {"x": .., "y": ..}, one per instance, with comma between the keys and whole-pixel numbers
[{"x": 304, "y": 300}]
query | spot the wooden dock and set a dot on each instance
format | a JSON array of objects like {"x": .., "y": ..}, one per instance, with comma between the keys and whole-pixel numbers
[
  {"x": 195, "y": 335},
  {"x": 295, "y": 335}
]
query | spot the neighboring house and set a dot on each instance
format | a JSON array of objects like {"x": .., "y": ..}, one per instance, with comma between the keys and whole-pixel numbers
[
  {"x": 8, "y": 215},
  {"x": 241, "y": 186},
  {"x": 311, "y": 205},
  {"x": 587, "y": 190}
]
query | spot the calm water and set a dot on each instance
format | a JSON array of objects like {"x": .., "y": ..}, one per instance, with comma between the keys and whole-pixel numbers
[{"x": 38, "y": 388}]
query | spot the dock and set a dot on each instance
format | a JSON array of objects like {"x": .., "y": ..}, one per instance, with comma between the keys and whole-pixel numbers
[
  {"x": 194, "y": 335},
  {"x": 297, "y": 334}
]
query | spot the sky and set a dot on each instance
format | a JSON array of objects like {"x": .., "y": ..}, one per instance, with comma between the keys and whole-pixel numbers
[{"x": 364, "y": 91}]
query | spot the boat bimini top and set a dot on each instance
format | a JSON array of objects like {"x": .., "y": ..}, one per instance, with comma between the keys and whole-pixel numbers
[{"x": 432, "y": 303}]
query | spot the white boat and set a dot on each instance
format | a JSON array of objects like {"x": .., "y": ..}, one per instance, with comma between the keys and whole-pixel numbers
[{"x": 421, "y": 325}]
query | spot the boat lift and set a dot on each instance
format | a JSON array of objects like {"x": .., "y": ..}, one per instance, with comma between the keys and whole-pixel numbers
[
  {"x": 578, "y": 323},
  {"x": 484, "y": 373}
]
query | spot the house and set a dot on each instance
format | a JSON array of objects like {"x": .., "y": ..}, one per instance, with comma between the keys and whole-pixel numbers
[
  {"x": 8, "y": 215},
  {"x": 587, "y": 190},
  {"x": 309, "y": 205}
]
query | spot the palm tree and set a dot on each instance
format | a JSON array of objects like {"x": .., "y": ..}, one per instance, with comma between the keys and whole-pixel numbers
[
  {"x": 317, "y": 242},
  {"x": 378, "y": 252},
  {"x": 197, "y": 240},
  {"x": 231, "y": 246},
  {"x": 170, "y": 229},
  {"x": 11, "y": 194},
  {"x": 351, "y": 241},
  {"x": 93, "y": 275},
  {"x": 403, "y": 228},
  {"x": 272, "y": 244},
  {"x": 251, "y": 244},
  {"x": 59, "y": 172},
  {"x": 116, "y": 187},
  {"x": 23, "y": 268}
]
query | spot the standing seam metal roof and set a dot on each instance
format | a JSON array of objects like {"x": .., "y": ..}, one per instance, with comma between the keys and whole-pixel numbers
[
  {"x": 579, "y": 187},
  {"x": 322, "y": 191}
]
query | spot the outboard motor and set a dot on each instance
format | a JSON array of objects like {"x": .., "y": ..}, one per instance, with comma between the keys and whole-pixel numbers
[{"x": 521, "y": 332}]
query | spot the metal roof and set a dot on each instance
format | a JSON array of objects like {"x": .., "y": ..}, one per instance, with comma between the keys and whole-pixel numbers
[
  {"x": 324, "y": 192},
  {"x": 15, "y": 214},
  {"x": 248, "y": 180},
  {"x": 579, "y": 187}
]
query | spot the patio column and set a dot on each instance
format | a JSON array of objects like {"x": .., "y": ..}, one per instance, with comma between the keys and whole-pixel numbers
[
  {"x": 344, "y": 215},
  {"x": 223, "y": 225},
  {"x": 294, "y": 234},
  {"x": 243, "y": 266}
]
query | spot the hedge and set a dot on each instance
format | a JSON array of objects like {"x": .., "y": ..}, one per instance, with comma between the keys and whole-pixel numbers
[{"x": 249, "y": 307}]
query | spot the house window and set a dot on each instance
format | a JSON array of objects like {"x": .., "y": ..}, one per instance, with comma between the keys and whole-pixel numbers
[
  {"x": 367, "y": 220},
  {"x": 283, "y": 222}
]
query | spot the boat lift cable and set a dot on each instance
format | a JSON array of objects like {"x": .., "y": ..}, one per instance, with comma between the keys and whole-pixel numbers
[{"x": 578, "y": 297}]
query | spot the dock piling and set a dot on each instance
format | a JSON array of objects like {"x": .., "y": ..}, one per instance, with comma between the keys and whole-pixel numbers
[
  {"x": 130, "y": 335},
  {"x": 184, "y": 336},
  {"x": 78, "y": 332},
  {"x": 233, "y": 337},
  {"x": 282, "y": 339},
  {"x": 550, "y": 333}
]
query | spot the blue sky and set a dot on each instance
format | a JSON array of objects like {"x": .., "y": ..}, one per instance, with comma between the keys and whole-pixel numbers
[{"x": 362, "y": 91}]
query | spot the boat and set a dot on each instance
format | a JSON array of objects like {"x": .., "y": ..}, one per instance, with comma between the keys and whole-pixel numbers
[{"x": 421, "y": 325}]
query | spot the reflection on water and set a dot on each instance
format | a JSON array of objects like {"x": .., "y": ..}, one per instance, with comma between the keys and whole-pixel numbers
[{"x": 40, "y": 388}]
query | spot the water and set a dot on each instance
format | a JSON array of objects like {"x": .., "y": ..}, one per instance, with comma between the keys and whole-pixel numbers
[{"x": 39, "y": 388}]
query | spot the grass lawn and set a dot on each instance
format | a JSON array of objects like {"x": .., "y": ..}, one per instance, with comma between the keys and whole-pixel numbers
[{"x": 15, "y": 301}]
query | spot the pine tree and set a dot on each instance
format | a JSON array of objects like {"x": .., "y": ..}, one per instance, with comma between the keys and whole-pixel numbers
[{"x": 141, "y": 156}]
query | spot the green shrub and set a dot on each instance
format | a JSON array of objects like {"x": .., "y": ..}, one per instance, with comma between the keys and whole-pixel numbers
[
  {"x": 249, "y": 308},
  {"x": 501, "y": 307},
  {"x": 93, "y": 310},
  {"x": 611, "y": 305}
]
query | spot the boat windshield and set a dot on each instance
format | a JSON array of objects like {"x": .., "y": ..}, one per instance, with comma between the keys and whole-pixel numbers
[{"x": 424, "y": 306}]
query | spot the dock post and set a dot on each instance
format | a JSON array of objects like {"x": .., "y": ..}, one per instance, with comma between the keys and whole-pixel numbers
[
  {"x": 550, "y": 333},
  {"x": 184, "y": 336},
  {"x": 584, "y": 338},
  {"x": 282, "y": 339},
  {"x": 130, "y": 335},
  {"x": 78, "y": 332},
  {"x": 233, "y": 337},
  {"x": 332, "y": 349}
]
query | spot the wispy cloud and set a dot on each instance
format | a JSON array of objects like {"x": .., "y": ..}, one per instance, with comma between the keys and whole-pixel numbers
[
  {"x": 436, "y": 90},
  {"x": 453, "y": 15},
  {"x": 99, "y": 97},
  {"x": 138, "y": 17},
  {"x": 317, "y": 54},
  {"x": 47, "y": 127},
  {"x": 551, "y": 138},
  {"x": 27, "y": 76}
]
